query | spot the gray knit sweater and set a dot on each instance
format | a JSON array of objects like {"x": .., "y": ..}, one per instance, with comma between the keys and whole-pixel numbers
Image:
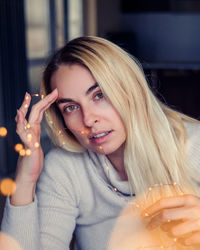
[{"x": 73, "y": 195}]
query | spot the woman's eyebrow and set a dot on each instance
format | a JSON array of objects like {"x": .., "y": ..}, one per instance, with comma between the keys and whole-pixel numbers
[
  {"x": 92, "y": 88},
  {"x": 64, "y": 100}
]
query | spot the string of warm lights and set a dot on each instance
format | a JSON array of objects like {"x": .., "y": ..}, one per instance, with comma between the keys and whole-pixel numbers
[
  {"x": 132, "y": 203},
  {"x": 174, "y": 187},
  {"x": 7, "y": 186},
  {"x": 3, "y": 131}
]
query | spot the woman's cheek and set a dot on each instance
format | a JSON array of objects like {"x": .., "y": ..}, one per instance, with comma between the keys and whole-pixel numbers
[{"x": 74, "y": 124}]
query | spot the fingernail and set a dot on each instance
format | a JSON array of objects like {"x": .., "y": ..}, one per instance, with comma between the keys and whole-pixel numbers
[
  {"x": 26, "y": 96},
  {"x": 55, "y": 90}
]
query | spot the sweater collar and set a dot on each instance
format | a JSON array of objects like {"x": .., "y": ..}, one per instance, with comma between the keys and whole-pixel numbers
[{"x": 100, "y": 163}]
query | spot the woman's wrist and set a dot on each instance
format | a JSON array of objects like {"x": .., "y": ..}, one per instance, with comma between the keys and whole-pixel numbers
[{"x": 24, "y": 194}]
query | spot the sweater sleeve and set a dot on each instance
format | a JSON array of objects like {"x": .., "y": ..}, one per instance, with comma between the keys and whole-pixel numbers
[
  {"x": 193, "y": 132},
  {"x": 20, "y": 224},
  {"x": 47, "y": 223}
]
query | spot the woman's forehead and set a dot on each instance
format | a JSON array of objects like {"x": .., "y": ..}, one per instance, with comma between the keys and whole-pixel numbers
[{"x": 72, "y": 79}]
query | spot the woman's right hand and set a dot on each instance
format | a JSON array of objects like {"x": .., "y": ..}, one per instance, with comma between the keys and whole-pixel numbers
[{"x": 30, "y": 166}]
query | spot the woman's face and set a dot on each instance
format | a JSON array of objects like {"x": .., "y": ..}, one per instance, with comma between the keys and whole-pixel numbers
[{"x": 86, "y": 112}]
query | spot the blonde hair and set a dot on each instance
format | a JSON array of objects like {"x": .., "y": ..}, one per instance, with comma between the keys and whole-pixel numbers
[{"x": 156, "y": 144}]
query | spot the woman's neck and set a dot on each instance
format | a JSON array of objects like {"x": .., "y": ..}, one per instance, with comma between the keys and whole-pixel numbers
[{"x": 117, "y": 160}]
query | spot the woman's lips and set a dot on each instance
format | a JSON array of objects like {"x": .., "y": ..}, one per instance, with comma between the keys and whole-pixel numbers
[{"x": 100, "y": 137}]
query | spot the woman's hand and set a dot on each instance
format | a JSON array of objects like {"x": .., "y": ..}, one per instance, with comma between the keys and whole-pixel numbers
[
  {"x": 29, "y": 166},
  {"x": 179, "y": 216}
]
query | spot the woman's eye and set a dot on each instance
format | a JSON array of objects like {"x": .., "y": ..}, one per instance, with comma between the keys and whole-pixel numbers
[
  {"x": 70, "y": 108},
  {"x": 98, "y": 96}
]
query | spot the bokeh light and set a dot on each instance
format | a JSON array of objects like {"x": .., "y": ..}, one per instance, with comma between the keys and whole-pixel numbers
[
  {"x": 28, "y": 125},
  {"x": 36, "y": 144},
  {"x": 22, "y": 152},
  {"x": 28, "y": 152},
  {"x": 29, "y": 136},
  {"x": 7, "y": 186},
  {"x": 3, "y": 131},
  {"x": 18, "y": 147},
  {"x": 85, "y": 132},
  {"x": 8, "y": 243}
]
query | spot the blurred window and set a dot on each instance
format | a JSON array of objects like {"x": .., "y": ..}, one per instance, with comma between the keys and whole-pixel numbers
[
  {"x": 75, "y": 10},
  {"x": 49, "y": 24},
  {"x": 37, "y": 24}
]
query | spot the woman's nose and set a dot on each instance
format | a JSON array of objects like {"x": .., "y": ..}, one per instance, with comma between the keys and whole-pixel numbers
[{"x": 90, "y": 118}]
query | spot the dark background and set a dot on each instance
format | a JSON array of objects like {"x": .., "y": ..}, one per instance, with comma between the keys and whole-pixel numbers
[{"x": 163, "y": 35}]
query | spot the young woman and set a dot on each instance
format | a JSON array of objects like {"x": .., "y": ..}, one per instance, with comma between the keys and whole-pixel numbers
[{"x": 114, "y": 141}]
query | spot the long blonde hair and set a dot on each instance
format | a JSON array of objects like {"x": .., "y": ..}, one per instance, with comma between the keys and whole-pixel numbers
[{"x": 156, "y": 144}]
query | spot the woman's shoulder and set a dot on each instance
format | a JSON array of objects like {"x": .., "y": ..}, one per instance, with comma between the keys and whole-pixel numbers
[
  {"x": 193, "y": 135},
  {"x": 61, "y": 161},
  {"x": 60, "y": 154},
  {"x": 60, "y": 175},
  {"x": 192, "y": 130},
  {"x": 63, "y": 167}
]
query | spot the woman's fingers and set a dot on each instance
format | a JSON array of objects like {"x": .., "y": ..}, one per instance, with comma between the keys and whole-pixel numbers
[
  {"x": 39, "y": 108},
  {"x": 21, "y": 121},
  {"x": 25, "y": 105},
  {"x": 171, "y": 202},
  {"x": 174, "y": 214},
  {"x": 193, "y": 240},
  {"x": 186, "y": 227},
  {"x": 29, "y": 136},
  {"x": 24, "y": 133},
  {"x": 179, "y": 216},
  {"x": 167, "y": 227},
  {"x": 30, "y": 132}
]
